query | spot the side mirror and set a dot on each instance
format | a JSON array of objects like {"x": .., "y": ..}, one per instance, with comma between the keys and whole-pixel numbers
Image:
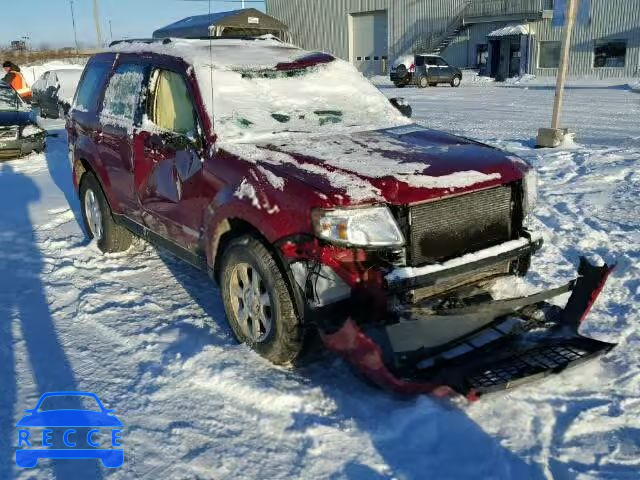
[{"x": 402, "y": 106}]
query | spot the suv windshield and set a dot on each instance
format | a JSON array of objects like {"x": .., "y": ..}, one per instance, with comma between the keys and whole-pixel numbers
[
  {"x": 253, "y": 104},
  {"x": 9, "y": 100}
]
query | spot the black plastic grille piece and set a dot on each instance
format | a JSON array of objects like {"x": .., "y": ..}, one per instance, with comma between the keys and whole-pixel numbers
[
  {"x": 541, "y": 359},
  {"x": 448, "y": 228}
]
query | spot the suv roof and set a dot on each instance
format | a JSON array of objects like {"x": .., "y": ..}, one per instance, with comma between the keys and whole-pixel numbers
[{"x": 229, "y": 52}]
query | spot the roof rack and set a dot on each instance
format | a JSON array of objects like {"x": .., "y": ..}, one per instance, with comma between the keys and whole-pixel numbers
[{"x": 167, "y": 40}]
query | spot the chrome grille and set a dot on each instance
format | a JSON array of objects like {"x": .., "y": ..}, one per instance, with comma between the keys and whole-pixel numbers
[{"x": 448, "y": 228}]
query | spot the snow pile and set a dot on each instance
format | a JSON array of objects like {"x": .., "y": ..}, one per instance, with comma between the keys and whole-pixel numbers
[
  {"x": 522, "y": 79},
  {"x": 635, "y": 86}
]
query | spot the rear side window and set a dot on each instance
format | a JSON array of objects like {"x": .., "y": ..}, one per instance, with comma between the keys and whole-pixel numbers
[
  {"x": 123, "y": 94},
  {"x": 90, "y": 85}
]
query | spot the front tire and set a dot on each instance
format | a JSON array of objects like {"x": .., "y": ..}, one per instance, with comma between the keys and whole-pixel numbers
[
  {"x": 98, "y": 220},
  {"x": 455, "y": 82},
  {"x": 257, "y": 301}
]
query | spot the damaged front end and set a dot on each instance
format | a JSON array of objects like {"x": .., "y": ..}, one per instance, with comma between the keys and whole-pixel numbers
[{"x": 437, "y": 330}]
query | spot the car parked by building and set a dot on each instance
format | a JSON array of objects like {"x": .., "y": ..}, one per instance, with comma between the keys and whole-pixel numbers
[
  {"x": 19, "y": 132},
  {"x": 424, "y": 71},
  {"x": 54, "y": 90},
  {"x": 321, "y": 211}
]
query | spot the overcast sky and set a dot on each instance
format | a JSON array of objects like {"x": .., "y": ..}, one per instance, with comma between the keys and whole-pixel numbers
[{"x": 49, "y": 21}]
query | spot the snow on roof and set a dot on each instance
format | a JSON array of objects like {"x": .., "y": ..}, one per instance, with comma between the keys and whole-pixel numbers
[
  {"x": 520, "y": 29},
  {"x": 199, "y": 25},
  {"x": 261, "y": 52}
]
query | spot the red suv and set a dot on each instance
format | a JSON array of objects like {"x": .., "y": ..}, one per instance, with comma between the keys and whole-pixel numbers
[{"x": 321, "y": 212}]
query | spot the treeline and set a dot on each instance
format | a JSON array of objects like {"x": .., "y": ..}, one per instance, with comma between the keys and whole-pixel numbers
[{"x": 23, "y": 57}]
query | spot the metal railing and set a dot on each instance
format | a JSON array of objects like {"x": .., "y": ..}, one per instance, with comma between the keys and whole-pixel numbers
[
  {"x": 480, "y": 8},
  {"x": 496, "y": 8}
]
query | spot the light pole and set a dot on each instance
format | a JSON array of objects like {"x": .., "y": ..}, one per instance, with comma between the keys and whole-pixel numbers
[
  {"x": 96, "y": 19},
  {"x": 554, "y": 136},
  {"x": 73, "y": 21}
]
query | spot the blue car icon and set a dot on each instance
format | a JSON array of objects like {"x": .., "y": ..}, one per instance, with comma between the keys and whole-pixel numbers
[{"x": 70, "y": 419}]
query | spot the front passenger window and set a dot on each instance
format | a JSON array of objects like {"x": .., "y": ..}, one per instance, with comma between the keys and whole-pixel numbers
[{"x": 171, "y": 107}]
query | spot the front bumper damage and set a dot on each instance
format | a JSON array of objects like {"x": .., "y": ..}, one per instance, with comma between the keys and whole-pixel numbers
[{"x": 474, "y": 347}]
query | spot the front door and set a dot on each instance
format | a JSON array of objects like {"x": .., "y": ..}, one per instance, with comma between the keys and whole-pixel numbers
[
  {"x": 121, "y": 110},
  {"x": 168, "y": 162}
]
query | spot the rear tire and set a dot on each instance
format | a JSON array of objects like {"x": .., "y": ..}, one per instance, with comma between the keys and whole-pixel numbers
[
  {"x": 257, "y": 302},
  {"x": 98, "y": 220},
  {"x": 423, "y": 82}
]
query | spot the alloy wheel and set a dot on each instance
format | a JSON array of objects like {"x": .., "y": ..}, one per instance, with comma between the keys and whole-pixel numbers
[
  {"x": 93, "y": 213},
  {"x": 250, "y": 302}
]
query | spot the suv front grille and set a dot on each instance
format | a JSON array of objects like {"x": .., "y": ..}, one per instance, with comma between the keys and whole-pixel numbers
[
  {"x": 9, "y": 133},
  {"x": 445, "y": 229}
]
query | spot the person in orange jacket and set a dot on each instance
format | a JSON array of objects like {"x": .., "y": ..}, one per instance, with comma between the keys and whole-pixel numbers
[{"x": 15, "y": 78}]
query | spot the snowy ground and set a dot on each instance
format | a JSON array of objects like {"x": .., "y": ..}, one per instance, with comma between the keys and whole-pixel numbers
[{"x": 149, "y": 336}]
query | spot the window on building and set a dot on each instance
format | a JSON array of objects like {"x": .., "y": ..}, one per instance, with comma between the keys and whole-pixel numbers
[
  {"x": 609, "y": 53},
  {"x": 549, "y": 54},
  {"x": 482, "y": 55}
]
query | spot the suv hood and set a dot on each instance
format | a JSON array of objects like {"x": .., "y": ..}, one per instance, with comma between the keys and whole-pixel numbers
[
  {"x": 401, "y": 165},
  {"x": 10, "y": 118}
]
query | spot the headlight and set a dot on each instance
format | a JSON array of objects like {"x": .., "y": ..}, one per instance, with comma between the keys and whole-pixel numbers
[
  {"x": 360, "y": 227},
  {"x": 530, "y": 186}
]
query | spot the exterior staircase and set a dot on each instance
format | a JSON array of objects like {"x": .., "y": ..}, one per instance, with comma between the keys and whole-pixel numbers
[
  {"x": 475, "y": 11},
  {"x": 437, "y": 42}
]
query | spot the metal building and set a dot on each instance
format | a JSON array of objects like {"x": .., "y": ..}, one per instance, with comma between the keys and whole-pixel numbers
[{"x": 502, "y": 38}]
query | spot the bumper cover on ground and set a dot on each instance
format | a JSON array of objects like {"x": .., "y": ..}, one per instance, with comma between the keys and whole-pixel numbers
[{"x": 526, "y": 340}]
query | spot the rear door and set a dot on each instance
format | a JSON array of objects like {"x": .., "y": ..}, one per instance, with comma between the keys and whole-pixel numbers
[
  {"x": 446, "y": 71},
  {"x": 169, "y": 157},
  {"x": 48, "y": 98},
  {"x": 121, "y": 113}
]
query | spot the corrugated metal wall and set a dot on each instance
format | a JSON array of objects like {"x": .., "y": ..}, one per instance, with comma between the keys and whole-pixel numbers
[
  {"x": 324, "y": 25},
  {"x": 611, "y": 20}
]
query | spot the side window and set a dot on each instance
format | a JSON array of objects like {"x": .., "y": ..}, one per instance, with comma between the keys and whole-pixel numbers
[
  {"x": 86, "y": 98},
  {"x": 123, "y": 94},
  {"x": 171, "y": 107},
  {"x": 419, "y": 61},
  {"x": 441, "y": 63}
]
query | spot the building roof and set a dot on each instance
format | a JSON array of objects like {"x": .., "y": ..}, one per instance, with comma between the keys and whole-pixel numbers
[
  {"x": 199, "y": 26},
  {"x": 519, "y": 29}
]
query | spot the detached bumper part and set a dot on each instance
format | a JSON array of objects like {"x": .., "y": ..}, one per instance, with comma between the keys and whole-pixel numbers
[{"x": 517, "y": 341}]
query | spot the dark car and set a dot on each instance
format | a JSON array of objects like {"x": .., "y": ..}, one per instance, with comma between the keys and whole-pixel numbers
[
  {"x": 19, "y": 132},
  {"x": 424, "y": 71},
  {"x": 54, "y": 91},
  {"x": 322, "y": 212}
]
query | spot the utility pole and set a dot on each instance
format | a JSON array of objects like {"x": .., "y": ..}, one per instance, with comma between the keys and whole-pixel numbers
[
  {"x": 564, "y": 62},
  {"x": 553, "y": 137},
  {"x": 73, "y": 21},
  {"x": 96, "y": 18}
]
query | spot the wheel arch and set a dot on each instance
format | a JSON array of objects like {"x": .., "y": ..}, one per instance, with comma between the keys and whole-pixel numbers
[{"x": 232, "y": 228}]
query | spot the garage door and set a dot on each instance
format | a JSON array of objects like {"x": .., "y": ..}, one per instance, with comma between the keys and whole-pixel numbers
[{"x": 370, "y": 42}]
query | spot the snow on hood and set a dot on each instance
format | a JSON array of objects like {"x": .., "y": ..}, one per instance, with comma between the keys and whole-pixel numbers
[{"x": 399, "y": 165}]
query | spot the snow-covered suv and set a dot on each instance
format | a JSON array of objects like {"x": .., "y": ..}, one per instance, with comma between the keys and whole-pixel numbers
[{"x": 321, "y": 212}]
